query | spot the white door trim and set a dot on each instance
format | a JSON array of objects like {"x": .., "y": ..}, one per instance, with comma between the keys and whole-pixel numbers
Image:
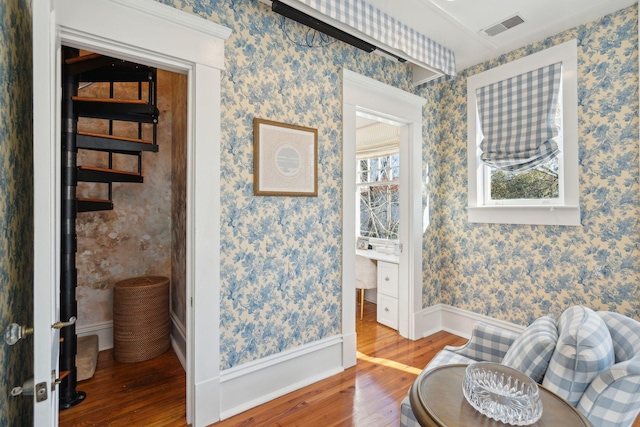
[
  {"x": 363, "y": 94},
  {"x": 147, "y": 32},
  {"x": 46, "y": 231}
]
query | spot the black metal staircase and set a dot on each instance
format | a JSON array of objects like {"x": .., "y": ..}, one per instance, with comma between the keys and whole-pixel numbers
[{"x": 89, "y": 69}]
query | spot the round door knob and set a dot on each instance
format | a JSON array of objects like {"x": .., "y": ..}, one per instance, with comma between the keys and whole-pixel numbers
[{"x": 14, "y": 333}]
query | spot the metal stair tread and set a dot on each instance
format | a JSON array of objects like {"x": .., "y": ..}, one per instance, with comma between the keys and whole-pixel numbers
[
  {"x": 82, "y": 58},
  {"x": 110, "y": 100},
  {"x": 84, "y": 204},
  {"x": 113, "y": 143},
  {"x": 91, "y": 199},
  {"x": 107, "y": 170},
  {"x": 115, "y": 137},
  {"x": 98, "y": 68},
  {"x": 131, "y": 110},
  {"x": 104, "y": 175}
]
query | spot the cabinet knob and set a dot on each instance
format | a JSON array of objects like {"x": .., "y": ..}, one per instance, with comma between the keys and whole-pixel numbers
[
  {"x": 387, "y": 278},
  {"x": 386, "y": 309}
]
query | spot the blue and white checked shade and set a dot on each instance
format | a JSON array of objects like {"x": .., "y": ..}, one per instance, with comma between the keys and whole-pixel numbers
[
  {"x": 517, "y": 117},
  {"x": 382, "y": 27}
]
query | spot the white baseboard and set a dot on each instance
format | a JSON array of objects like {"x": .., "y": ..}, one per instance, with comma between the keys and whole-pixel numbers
[
  {"x": 428, "y": 321},
  {"x": 206, "y": 411},
  {"x": 178, "y": 339},
  {"x": 349, "y": 350},
  {"x": 442, "y": 317},
  {"x": 104, "y": 331},
  {"x": 260, "y": 381}
]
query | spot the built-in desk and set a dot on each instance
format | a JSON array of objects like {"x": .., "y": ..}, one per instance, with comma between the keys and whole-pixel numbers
[{"x": 387, "y": 290}]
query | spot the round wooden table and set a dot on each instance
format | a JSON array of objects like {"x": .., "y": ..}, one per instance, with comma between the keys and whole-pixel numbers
[{"x": 437, "y": 400}]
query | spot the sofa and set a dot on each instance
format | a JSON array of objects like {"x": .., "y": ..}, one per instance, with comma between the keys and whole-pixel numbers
[{"x": 589, "y": 358}]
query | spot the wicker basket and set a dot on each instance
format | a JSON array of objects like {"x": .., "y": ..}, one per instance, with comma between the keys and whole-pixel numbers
[{"x": 140, "y": 318}]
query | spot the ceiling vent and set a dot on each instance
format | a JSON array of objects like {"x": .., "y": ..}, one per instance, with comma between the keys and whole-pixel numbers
[{"x": 503, "y": 26}]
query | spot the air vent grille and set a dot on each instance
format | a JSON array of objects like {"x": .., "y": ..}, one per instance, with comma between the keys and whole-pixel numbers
[
  {"x": 512, "y": 22},
  {"x": 503, "y": 26}
]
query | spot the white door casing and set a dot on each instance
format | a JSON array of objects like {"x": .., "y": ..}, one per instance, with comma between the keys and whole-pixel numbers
[
  {"x": 365, "y": 95},
  {"x": 46, "y": 259},
  {"x": 149, "y": 33}
]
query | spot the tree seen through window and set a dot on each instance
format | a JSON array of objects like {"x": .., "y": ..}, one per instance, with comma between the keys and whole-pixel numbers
[{"x": 379, "y": 197}]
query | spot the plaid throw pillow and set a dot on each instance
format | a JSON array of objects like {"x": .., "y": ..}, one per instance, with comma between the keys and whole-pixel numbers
[
  {"x": 531, "y": 351},
  {"x": 584, "y": 350}
]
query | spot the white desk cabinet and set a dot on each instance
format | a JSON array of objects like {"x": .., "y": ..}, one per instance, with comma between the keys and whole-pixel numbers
[{"x": 388, "y": 294}]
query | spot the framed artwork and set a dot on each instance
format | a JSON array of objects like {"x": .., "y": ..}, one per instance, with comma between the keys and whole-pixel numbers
[{"x": 285, "y": 159}]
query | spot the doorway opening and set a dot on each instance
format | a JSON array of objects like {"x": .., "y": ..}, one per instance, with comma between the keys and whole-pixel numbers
[
  {"x": 131, "y": 210},
  {"x": 377, "y": 210},
  {"x": 200, "y": 55},
  {"x": 363, "y": 96}
]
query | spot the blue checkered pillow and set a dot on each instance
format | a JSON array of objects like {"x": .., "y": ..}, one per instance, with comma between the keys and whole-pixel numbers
[
  {"x": 531, "y": 351},
  {"x": 584, "y": 350}
]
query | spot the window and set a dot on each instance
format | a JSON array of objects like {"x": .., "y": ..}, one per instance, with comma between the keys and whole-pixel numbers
[
  {"x": 377, "y": 181},
  {"x": 379, "y": 206},
  {"x": 522, "y": 140}
]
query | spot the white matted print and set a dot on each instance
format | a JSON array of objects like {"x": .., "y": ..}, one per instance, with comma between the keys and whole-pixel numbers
[{"x": 285, "y": 161}]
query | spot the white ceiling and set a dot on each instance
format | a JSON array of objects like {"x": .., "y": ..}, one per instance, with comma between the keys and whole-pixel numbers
[{"x": 458, "y": 24}]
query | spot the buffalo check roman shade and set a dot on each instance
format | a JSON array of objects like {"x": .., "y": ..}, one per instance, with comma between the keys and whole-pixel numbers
[{"x": 518, "y": 119}]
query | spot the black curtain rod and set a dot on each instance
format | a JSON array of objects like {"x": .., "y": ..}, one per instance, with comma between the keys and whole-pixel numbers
[{"x": 316, "y": 24}]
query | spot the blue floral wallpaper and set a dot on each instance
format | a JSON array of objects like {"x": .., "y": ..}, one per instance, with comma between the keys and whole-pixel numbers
[
  {"x": 519, "y": 272},
  {"x": 281, "y": 256},
  {"x": 281, "y": 260},
  {"x": 16, "y": 205}
]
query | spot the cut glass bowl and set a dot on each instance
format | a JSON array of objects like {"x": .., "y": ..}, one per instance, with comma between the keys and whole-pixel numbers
[{"x": 502, "y": 393}]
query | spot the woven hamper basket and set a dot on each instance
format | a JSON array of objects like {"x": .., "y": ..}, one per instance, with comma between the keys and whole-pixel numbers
[{"x": 140, "y": 318}]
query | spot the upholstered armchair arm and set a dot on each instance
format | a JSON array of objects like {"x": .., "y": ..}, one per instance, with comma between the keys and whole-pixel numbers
[
  {"x": 613, "y": 397},
  {"x": 487, "y": 343}
]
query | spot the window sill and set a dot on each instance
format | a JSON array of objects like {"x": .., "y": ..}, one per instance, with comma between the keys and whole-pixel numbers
[{"x": 518, "y": 214}]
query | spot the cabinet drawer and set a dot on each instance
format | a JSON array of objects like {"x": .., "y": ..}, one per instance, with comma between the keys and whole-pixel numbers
[
  {"x": 387, "y": 311},
  {"x": 388, "y": 279}
]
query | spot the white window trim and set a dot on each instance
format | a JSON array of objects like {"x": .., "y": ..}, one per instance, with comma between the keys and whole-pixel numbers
[{"x": 567, "y": 213}]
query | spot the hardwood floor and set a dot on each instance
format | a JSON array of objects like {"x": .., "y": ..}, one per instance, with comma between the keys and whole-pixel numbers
[{"x": 152, "y": 393}]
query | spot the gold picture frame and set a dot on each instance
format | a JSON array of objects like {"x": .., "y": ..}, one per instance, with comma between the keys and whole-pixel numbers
[{"x": 285, "y": 159}]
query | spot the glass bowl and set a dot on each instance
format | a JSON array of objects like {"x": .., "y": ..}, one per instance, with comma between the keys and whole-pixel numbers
[{"x": 502, "y": 393}]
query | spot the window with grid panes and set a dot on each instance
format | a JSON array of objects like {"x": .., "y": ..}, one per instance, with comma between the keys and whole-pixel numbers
[{"x": 379, "y": 203}]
